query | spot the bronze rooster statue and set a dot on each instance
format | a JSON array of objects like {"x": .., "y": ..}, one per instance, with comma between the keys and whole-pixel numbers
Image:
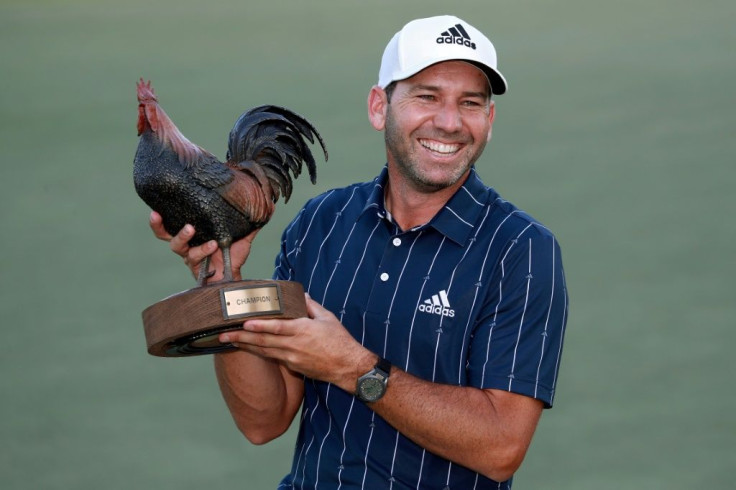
[{"x": 223, "y": 201}]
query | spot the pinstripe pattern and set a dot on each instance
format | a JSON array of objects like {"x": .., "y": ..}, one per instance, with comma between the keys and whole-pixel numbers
[{"x": 476, "y": 297}]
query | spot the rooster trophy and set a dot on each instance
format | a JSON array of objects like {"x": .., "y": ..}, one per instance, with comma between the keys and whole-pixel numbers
[
  {"x": 185, "y": 183},
  {"x": 223, "y": 201}
]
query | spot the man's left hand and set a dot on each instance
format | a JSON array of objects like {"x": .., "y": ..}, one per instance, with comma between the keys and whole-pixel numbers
[{"x": 319, "y": 347}]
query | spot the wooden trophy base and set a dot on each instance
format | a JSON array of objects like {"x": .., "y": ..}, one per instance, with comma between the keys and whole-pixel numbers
[{"x": 188, "y": 323}]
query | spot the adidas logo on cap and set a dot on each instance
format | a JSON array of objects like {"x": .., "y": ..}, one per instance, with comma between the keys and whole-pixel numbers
[
  {"x": 438, "y": 304},
  {"x": 456, "y": 35}
]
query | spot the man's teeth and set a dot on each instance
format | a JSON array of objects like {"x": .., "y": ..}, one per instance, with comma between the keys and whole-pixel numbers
[{"x": 439, "y": 147}]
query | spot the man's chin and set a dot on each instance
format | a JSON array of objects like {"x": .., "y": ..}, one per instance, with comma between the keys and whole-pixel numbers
[{"x": 438, "y": 183}]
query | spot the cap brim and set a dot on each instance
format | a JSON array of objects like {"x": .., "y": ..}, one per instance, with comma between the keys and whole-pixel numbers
[{"x": 496, "y": 80}]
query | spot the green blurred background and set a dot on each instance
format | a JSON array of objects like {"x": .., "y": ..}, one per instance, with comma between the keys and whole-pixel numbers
[{"x": 617, "y": 133}]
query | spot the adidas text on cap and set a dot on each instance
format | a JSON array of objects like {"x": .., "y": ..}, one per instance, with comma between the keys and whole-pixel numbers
[{"x": 424, "y": 42}]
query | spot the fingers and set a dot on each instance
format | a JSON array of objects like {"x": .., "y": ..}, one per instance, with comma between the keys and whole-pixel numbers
[
  {"x": 316, "y": 310},
  {"x": 260, "y": 333},
  {"x": 312, "y": 306},
  {"x": 179, "y": 244},
  {"x": 156, "y": 222},
  {"x": 271, "y": 326}
]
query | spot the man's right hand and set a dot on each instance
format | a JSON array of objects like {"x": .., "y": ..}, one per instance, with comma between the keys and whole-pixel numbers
[{"x": 193, "y": 256}]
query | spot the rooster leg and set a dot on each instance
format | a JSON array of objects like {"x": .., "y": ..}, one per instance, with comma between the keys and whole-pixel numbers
[
  {"x": 203, "y": 272},
  {"x": 227, "y": 264}
]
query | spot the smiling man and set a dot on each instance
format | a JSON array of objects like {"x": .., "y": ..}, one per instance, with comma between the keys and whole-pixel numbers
[
  {"x": 436, "y": 125},
  {"x": 437, "y": 309}
]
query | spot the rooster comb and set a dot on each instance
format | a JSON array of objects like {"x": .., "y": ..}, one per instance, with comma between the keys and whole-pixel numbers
[{"x": 145, "y": 91}]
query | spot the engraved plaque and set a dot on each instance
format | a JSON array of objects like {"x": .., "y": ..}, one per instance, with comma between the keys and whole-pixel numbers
[{"x": 248, "y": 301}]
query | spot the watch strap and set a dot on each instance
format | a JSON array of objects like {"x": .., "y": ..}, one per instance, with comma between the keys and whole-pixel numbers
[{"x": 383, "y": 365}]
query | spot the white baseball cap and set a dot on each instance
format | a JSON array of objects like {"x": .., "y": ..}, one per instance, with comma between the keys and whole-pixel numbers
[{"x": 424, "y": 42}]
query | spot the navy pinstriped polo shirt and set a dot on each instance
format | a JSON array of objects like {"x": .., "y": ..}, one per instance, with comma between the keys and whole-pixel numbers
[{"x": 476, "y": 297}]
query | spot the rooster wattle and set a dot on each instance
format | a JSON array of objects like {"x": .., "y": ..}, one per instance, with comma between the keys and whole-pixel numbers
[{"x": 224, "y": 201}]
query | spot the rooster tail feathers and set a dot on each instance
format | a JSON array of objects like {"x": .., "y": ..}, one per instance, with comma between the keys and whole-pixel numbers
[
  {"x": 279, "y": 184},
  {"x": 303, "y": 126},
  {"x": 308, "y": 130},
  {"x": 274, "y": 137},
  {"x": 277, "y": 174}
]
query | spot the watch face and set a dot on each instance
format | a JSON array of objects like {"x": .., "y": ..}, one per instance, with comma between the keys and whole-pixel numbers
[{"x": 371, "y": 389}]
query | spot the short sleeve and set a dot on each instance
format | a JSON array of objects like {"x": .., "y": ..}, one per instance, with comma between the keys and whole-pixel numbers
[{"x": 517, "y": 342}]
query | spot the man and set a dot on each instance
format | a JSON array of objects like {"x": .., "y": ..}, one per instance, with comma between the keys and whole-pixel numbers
[{"x": 436, "y": 308}]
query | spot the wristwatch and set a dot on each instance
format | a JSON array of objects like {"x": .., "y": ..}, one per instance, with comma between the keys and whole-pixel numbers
[{"x": 372, "y": 385}]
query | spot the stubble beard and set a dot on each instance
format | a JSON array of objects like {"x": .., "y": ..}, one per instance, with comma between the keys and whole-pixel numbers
[{"x": 410, "y": 167}]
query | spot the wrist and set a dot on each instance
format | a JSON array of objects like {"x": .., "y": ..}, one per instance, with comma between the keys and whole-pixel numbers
[{"x": 356, "y": 365}]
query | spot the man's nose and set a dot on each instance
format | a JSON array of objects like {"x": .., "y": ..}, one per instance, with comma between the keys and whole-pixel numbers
[{"x": 448, "y": 118}]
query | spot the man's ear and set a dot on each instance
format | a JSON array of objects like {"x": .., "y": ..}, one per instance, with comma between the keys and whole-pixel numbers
[
  {"x": 491, "y": 117},
  {"x": 377, "y": 107}
]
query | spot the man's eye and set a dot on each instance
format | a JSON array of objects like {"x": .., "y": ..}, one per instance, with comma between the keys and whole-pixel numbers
[{"x": 426, "y": 96}]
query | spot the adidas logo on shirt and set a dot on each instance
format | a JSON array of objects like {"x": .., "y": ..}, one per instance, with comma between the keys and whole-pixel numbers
[
  {"x": 456, "y": 35},
  {"x": 438, "y": 304}
]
